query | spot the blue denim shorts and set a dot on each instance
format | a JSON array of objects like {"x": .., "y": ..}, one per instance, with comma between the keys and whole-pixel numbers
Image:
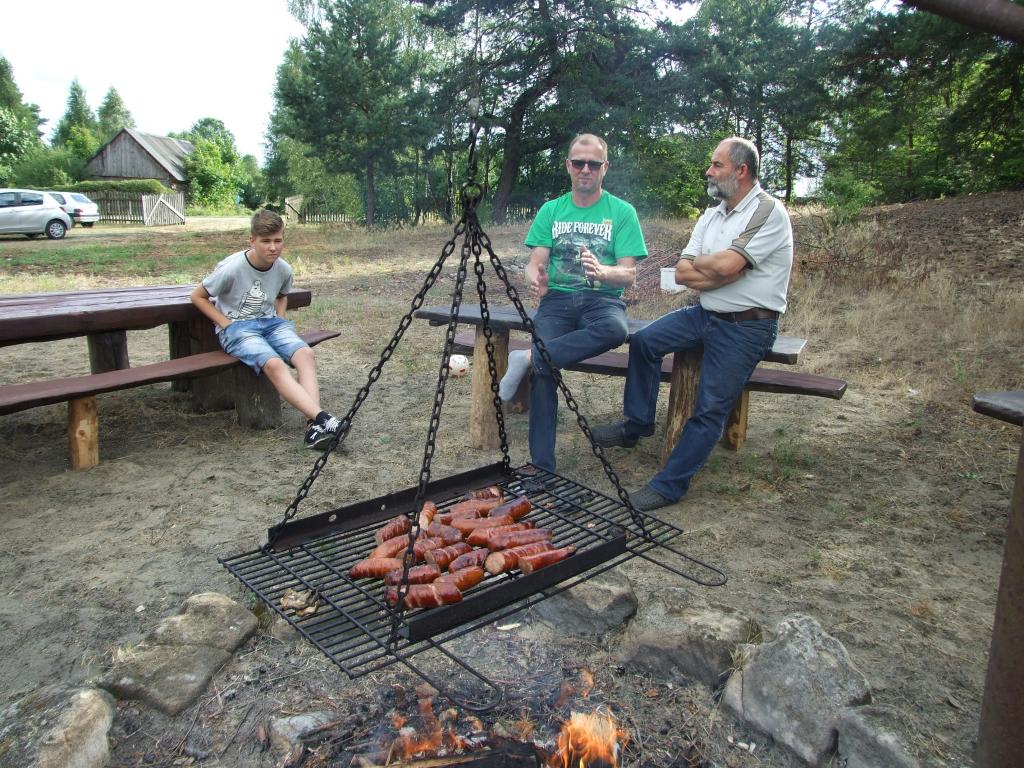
[{"x": 257, "y": 340}]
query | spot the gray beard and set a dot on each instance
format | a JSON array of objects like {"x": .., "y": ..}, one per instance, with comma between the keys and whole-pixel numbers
[{"x": 722, "y": 190}]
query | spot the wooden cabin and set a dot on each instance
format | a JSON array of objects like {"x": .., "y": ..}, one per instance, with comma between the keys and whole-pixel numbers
[{"x": 132, "y": 154}]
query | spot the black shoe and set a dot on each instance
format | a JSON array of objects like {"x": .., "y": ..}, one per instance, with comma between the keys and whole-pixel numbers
[
  {"x": 613, "y": 435},
  {"x": 320, "y": 433},
  {"x": 647, "y": 499}
]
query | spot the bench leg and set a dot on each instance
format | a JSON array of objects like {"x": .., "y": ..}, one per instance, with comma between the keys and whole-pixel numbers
[
  {"x": 209, "y": 393},
  {"x": 483, "y": 429},
  {"x": 256, "y": 401},
  {"x": 83, "y": 432},
  {"x": 108, "y": 351},
  {"x": 736, "y": 427},
  {"x": 682, "y": 396}
]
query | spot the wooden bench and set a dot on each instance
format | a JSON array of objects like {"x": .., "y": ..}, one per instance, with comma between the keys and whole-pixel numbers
[
  {"x": 255, "y": 402},
  {"x": 615, "y": 363}
]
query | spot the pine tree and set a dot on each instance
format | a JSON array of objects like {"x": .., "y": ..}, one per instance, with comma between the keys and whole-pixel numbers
[
  {"x": 78, "y": 114},
  {"x": 113, "y": 116}
]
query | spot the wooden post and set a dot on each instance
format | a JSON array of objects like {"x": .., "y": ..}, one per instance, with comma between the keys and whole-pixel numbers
[
  {"x": 83, "y": 432},
  {"x": 209, "y": 393},
  {"x": 682, "y": 396},
  {"x": 1002, "y": 704},
  {"x": 257, "y": 402},
  {"x": 180, "y": 345},
  {"x": 483, "y": 429},
  {"x": 108, "y": 351},
  {"x": 736, "y": 427}
]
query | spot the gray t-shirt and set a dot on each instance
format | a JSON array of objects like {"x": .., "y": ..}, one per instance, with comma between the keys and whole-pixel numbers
[{"x": 244, "y": 292}]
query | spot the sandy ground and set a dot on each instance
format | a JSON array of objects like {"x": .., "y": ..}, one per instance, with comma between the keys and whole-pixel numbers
[{"x": 879, "y": 516}]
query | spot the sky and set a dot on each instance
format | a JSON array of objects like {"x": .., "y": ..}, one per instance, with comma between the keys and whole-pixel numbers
[{"x": 172, "y": 63}]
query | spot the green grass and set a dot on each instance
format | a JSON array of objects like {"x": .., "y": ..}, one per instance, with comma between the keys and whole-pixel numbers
[{"x": 131, "y": 259}]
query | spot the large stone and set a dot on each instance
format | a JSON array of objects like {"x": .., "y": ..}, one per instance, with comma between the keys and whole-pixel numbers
[
  {"x": 670, "y": 639},
  {"x": 206, "y": 619},
  {"x": 57, "y": 727},
  {"x": 592, "y": 608},
  {"x": 166, "y": 677},
  {"x": 866, "y": 740},
  {"x": 287, "y": 732},
  {"x": 796, "y": 687}
]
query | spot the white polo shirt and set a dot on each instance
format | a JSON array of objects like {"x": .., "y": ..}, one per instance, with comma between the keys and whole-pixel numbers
[{"x": 759, "y": 230}]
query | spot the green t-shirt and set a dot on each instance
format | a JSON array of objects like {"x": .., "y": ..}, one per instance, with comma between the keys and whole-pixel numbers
[{"x": 609, "y": 228}]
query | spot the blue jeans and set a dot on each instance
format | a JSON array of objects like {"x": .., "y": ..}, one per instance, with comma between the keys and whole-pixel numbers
[
  {"x": 573, "y": 326},
  {"x": 731, "y": 352},
  {"x": 258, "y": 339}
]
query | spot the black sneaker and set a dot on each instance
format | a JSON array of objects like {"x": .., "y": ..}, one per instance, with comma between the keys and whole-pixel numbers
[
  {"x": 647, "y": 499},
  {"x": 613, "y": 435},
  {"x": 320, "y": 433}
]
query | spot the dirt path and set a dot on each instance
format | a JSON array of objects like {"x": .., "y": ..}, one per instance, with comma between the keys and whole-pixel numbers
[{"x": 878, "y": 516}]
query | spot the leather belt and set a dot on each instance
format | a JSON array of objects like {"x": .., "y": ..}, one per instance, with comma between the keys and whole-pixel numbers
[{"x": 754, "y": 313}]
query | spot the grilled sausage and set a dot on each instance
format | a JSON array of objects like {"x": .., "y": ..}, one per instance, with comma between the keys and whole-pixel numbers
[
  {"x": 442, "y": 556},
  {"x": 463, "y": 578},
  {"x": 507, "y": 559},
  {"x": 474, "y": 505},
  {"x": 468, "y": 560},
  {"x": 374, "y": 567},
  {"x": 518, "y": 507},
  {"x": 530, "y": 563},
  {"x": 422, "y": 546},
  {"x": 445, "y": 533},
  {"x": 427, "y": 513},
  {"x": 396, "y": 526},
  {"x": 481, "y": 536},
  {"x": 392, "y": 547},
  {"x": 510, "y": 539},
  {"x": 467, "y": 525},
  {"x": 418, "y": 574},
  {"x": 491, "y": 492},
  {"x": 426, "y": 595},
  {"x": 448, "y": 517}
]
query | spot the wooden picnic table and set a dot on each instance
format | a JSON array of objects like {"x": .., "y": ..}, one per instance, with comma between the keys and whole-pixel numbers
[
  {"x": 1002, "y": 704},
  {"x": 105, "y": 316},
  {"x": 685, "y": 370}
]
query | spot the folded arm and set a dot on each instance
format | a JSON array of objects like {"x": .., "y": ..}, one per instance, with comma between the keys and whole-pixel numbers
[{"x": 708, "y": 271}]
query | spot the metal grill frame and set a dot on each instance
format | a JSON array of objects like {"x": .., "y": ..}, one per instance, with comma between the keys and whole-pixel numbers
[{"x": 352, "y": 626}]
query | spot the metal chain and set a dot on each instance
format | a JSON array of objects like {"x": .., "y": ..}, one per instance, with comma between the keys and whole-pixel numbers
[{"x": 374, "y": 374}]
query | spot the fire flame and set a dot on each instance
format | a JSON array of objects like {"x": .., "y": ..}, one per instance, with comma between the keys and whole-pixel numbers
[{"x": 589, "y": 740}]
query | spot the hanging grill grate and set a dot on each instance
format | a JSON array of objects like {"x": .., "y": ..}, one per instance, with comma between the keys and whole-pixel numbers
[{"x": 352, "y": 625}]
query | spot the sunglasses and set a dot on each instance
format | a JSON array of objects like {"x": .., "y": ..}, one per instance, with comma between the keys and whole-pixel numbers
[{"x": 594, "y": 165}]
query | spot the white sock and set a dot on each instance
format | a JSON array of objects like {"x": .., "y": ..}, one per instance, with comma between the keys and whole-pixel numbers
[{"x": 518, "y": 366}]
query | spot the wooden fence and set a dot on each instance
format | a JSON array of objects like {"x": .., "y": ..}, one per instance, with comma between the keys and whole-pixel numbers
[
  {"x": 133, "y": 208},
  {"x": 296, "y": 209}
]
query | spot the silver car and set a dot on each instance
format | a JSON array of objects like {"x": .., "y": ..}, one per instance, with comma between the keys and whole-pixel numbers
[
  {"x": 79, "y": 207},
  {"x": 25, "y": 212}
]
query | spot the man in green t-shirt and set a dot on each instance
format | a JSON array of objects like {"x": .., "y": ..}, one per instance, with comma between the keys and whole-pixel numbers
[{"x": 584, "y": 249}]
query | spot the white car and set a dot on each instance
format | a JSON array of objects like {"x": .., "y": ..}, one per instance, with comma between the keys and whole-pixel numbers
[
  {"x": 79, "y": 207},
  {"x": 27, "y": 212}
]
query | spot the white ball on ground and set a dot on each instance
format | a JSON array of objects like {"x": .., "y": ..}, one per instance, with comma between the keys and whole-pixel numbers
[{"x": 458, "y": 365}]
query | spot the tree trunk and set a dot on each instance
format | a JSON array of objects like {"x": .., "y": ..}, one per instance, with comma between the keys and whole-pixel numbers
[
  {"x": 371, "y": 195},
  {"x": 1000, "y": 17},
  {"x": 789, "y": 167}
]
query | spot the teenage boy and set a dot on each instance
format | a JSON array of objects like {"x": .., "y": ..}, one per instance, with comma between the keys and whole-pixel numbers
[{"x": 248, "y": 288}]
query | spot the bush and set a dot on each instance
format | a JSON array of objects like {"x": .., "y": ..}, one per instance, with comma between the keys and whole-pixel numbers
[{"x": 131, "y": 187}]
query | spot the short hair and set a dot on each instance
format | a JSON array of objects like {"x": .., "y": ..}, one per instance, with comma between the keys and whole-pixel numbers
[
  {"x": 265, "y": 222},
  {"x": 743, "y": 152},
  {"x": 589, "y": 138}
]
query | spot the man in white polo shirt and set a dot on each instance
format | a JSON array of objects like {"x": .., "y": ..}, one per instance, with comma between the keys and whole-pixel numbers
[{"x": 739, "y": 257}]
